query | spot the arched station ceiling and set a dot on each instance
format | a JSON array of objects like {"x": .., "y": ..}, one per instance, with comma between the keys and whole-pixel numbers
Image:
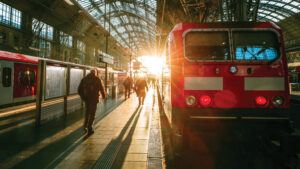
[
  {"x": 240, "y": 10},
  {"x": 131, "y": 22},
  {"x": 136, "y": 23}
]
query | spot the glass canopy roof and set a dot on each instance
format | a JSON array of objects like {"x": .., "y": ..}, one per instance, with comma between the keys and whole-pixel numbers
[
  {"x": 131, "y": 22},
  {"x": 277, "y": 10}
]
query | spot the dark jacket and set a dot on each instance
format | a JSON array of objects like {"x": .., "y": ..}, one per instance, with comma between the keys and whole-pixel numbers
[
  {"x": 141, "y": 86},
  {"x": 89, "y": 88},
  {"x": 127, "y": 82}
]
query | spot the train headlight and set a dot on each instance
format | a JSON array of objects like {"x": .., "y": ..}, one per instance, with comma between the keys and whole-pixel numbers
[
  {"x": 278, "y": 100},
  {"x": 190, "y": 100},
  {"x": 260, "y": 100},
  {"x": 205, "y": 100},
  {"x": 233, "y": 69}
]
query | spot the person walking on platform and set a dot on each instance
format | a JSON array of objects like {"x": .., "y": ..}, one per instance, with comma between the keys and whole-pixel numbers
[
  {"x": 127, "y": 85},
  {"x": 89, "y": 89},
  {"x": 140, "y": 88}
]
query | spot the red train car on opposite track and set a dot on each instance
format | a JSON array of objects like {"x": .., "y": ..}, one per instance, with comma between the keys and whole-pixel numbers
[{"x": 18, "y": 78}]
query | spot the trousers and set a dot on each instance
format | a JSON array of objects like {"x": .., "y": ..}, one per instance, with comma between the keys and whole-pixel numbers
[
  {"x": 90, "y": 113},
  {"x": 127, "y": 92}
]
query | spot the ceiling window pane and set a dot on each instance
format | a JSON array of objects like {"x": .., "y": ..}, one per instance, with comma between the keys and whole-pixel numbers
[
  {"x": 118, "y": 4},
  {"x": 121, "y": 29},
  {"x": 125, "y": 36},
  {"x": 295, "y": 10},
  {"x": 271, "y": 18},
  {"x": 115, "y": 21},
  {"x": 296, "y": 3},
  {"x": 113, "y": 33},
  {"x": 287, "y": 1}
]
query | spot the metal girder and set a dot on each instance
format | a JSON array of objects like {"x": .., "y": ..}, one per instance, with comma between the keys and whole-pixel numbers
[
  {"x": 119, "y": 13},
  {"x": 148, "y": 8},
  {"x": 274, "y": 7},
  {"x": 136, "y": 25},
  {"x": 125, "y": 10},
  {"x": 272, "y": 12},
  {"x": 237, "y": 10},
  {"x": 255, "y": 10}
]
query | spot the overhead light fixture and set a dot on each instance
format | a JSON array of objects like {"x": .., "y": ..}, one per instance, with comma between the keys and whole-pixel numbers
[{"x": 69, "y": 2}]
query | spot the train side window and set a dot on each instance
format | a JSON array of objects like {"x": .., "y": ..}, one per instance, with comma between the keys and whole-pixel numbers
[
  {"x": 6, "y": 77},
  {"x": 26, "y": 77}
]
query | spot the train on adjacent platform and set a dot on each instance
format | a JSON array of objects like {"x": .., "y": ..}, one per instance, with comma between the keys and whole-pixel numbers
[
  {"x": 226, "y": 73},
  {"x": 294, "y": 76},
  {"x": 18, "y": 79}
]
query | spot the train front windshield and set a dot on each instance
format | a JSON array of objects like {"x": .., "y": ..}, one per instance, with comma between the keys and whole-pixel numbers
[
  {"x": 207, "y": 45},
  {"x": 247, "y": 46},
  {"x": 255, "y": 45}
]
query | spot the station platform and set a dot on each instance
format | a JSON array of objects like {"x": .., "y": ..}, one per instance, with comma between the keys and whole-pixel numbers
[
  {"x": 127, "y": 136},
  {"x": 295, "y": 96}
]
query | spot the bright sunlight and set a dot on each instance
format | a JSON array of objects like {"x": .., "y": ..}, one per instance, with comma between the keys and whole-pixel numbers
[{"x": 152, "y": 64}]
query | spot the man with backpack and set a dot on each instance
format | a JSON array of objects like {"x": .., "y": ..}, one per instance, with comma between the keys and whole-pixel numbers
[{"x": 89, "y": 89}]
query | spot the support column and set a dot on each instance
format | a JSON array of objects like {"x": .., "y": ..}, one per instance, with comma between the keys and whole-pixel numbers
[
  {"x": 67, "y": 91},
  {"x": 40, "y": 91}
]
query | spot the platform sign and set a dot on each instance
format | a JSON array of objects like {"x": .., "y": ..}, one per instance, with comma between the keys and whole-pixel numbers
[
  {"x": 108, "y": 60},
  {"x": 101, "y": 64},
  {"x": 103, "y": 57}
]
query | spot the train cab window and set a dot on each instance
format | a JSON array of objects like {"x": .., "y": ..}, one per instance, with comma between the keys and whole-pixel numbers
[
  {"x": 255, "y": 45},
  {"x": 26, "y": 77},
  {"x": 6, "y": 77},
  {"x": 212, "y": 45}
]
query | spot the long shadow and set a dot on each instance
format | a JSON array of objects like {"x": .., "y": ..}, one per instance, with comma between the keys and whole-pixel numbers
[
  {"x": 15, "y": 122},
  {"x": 16, "y": 115},
  {"x": 107, "y": 157},
  {"x": 124, "y": 148},
  {"x": 17, "y": 140}
]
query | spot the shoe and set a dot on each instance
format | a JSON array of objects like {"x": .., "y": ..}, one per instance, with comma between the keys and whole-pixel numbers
[
  {"x": 85, "y": 129},
  {"x": 90, "y": 132}
]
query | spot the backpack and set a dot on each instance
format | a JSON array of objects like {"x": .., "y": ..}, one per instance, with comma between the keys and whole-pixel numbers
[{"x": 86, "y": 88}]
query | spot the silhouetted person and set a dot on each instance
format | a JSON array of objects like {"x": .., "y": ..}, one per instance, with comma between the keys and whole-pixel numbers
[
  {"x": 127, "y": 85},
  {"x": 140, "y": 88},
  {"x": 89, "y": 89}
]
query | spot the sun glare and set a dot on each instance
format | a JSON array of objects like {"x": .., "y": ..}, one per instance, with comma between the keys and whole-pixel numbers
[{"x": 152, "y": 64}]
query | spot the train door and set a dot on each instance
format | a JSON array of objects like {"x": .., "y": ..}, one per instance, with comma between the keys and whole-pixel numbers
[
  {"x": 24, "y": 82},
  {"x": 6, "y": 82}
]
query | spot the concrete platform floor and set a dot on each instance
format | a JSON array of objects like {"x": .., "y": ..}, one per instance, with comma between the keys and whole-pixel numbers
[{"x": 121, "y": 140}]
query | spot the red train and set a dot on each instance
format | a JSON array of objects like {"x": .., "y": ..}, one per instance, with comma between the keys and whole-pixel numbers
[
  {"x": 18, "y": 75},
  {"x": 294, "y": 77},
  {"x": 225, "y": 72}
]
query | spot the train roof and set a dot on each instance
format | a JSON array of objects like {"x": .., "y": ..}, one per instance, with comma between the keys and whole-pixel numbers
[
  {"x": 17, "y": 57},
  {"x": 183, "y": 26}
]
